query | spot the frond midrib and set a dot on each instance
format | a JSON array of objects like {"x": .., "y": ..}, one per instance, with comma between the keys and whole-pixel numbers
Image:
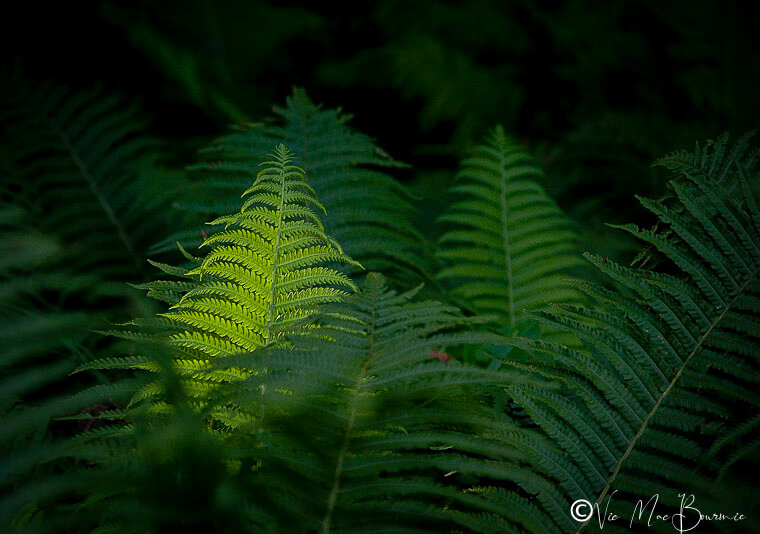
[
  {"x": 276, "y": 254},
  {"x": 666, "y": 391},
  {"x": 104, "y": 204},
  {"x": 333, "y": 495},
  {"x": 505, "y": 235}
]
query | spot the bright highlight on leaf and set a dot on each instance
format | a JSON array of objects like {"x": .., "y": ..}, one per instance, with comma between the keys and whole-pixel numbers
[{"x": 265, "y": 271}]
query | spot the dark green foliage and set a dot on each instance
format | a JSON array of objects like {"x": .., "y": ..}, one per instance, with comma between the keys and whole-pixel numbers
[
  {"x": 45, "y": 335},
  {"x": 667, "y": 377},
  {"x": 213, "y": 51},
  {"x": 301, "y": 407},
  {"x": 128, "y": 471},
  {"x": 734, "y": 167},
  {"x": 76, "y": 213},
  {"x": 81, "y": 159},
  {"x": 360, "y": 427}
]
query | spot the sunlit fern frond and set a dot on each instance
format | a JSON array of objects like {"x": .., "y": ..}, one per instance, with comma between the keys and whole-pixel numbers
[
  {"x": 368, "y": 211},
  {"x": 266, "y": 273},
  {"x": 508, "y": 244}
]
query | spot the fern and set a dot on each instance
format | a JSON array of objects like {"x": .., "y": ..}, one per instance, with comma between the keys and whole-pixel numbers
[
  {"x": 81, "y": 156},
  {"x": 669, "y": 366},
  {"x": 128, "y": 471},
  {"x": 265, "y": 275},
  {"x": 73, "y": 219},
  {"x": 367, "y": 210},
  {"x": 281, "y": 397},
  {"x": 509, "y": 243},
  {"x": 362, "y": 429},
  {"x": 715, "y": 159}
]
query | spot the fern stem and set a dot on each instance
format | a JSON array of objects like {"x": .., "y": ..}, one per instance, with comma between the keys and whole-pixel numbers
[
  {"x": 505, "y": 237},
  {"x": 664, "y": 394},
  {"x": 282, "y": 156},
  {"x": 110, "y": 213},
  {"x": 333, "y": 496}
]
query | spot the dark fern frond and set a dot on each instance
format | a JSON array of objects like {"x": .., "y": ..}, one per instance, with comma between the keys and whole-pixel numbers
[
  {"x": 664, "y": 389},
  {"x": 134, "y": 471},
  {"x": 509, "y": 244},
  {"x": 75, "y": 223},
  {"x": 734, "y": 165},
  {"x": 718, "y": 160},
  {"x": 80, "y": 156},
  {"x": 358, "y": 427},
  {"x": 44, "y": 338},
  {"x": 368, "y": 212}
]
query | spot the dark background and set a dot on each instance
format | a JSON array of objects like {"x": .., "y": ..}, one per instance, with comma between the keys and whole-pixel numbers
[{"x": 596, "y": 89}]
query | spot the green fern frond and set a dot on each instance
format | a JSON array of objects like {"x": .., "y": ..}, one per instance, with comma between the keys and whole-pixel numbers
[
  {"x": 261, "y": 277},
  {"x": 717, "y": 159},
  {"x": 266, "y": 274},
  {"x": 508, "y": 243},
  {"x": 368, "y": 212},
  {"x": 664, "y": 388}
]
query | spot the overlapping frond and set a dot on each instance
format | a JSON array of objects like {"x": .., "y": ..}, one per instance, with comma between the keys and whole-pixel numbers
[
  {"x": 508, "y": 243},
  {"x": 669, "y": 367},
  {"x": 368, "y": 212},
  {"x": 282, "y": 398},
  {"x": 361, "y": 427}
]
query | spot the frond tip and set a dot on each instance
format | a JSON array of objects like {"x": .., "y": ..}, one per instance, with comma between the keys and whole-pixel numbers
[
  {"x": 509, "y": 243},
  {"x": 266, "y": 270},
  {"x": 370, "y": 212}
]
